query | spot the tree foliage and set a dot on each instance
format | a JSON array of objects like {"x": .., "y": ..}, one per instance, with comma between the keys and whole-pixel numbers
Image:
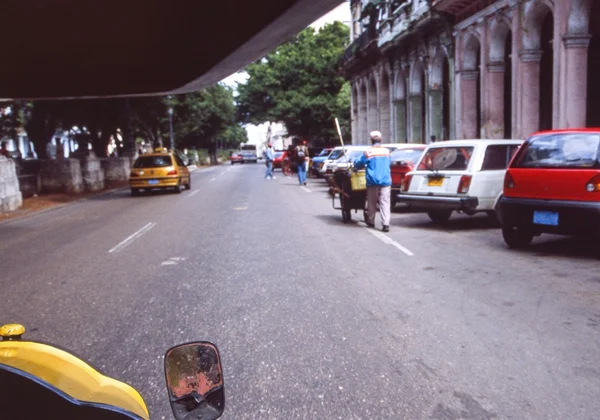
[
  {"x": 300, "y": 85},
  {"x": 201, "y": 119}
]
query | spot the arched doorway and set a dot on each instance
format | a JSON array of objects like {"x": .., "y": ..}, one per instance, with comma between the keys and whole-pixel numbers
[
  {"x": 373, "y": 119},
  {"x": 384, "y": 106},
  {"x": 471, "y": 88},
  {"x": 417, "y": 103},
  {"x": 546, "y": 72},
  {"x": 593, "y": 81}
]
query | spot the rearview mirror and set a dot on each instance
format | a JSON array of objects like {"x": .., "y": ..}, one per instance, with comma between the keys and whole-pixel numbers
[{"x": 195, "y": 381}]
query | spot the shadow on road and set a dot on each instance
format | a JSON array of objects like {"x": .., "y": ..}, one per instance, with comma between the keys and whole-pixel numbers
[
  {"x": 456, "y": 223},
  {"x": 563, "y": 246},
  {"x": 336, "y": 219}
]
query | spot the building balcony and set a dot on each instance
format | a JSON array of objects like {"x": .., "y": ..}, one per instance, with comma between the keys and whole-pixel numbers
[
  {"x": 360, "y": 44},
  {"x": 402, "y": 19}
]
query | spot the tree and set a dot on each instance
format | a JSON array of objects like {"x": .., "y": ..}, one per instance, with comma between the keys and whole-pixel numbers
[{"x": 300, "y": 85}]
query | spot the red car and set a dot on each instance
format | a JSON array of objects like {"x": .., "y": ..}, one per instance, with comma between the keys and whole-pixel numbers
[
  {"x": 403, "y": 160},
  {"x": 278, "y": 159},
  {"x": 552, "y": 185},
  {"x": 236, "y": 158}
]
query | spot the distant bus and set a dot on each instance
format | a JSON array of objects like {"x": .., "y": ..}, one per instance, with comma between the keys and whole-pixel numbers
[{"x": 249, "y": 152}]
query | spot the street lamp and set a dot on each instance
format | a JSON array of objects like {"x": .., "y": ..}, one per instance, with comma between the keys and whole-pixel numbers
[{"x": 171, "y": 127}]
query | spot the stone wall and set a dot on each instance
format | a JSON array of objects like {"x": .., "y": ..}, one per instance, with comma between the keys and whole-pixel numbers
[
  {"x": 61, "y": 176},
  {"x": 116, "y": 169},
  {"x": 92, "y": 173},
  {"x": 10, "y": 195}
]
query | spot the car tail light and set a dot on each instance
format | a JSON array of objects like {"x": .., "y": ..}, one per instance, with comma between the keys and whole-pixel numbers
[
  {"x": 464, "y": 184},
  {"x": 172, "y": 171},
  {"x": 509, "y": 182},
  {"x": 134, "y": 174},
  {"x": 406, "y": 182},
  {"x": 594, "y": 184}
]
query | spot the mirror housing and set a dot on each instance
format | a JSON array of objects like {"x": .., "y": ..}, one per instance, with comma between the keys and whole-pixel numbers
[{"x": 195, "y": 381}]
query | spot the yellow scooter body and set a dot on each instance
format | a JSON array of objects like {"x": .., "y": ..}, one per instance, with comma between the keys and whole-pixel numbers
[{"x": 42, "y": 370}]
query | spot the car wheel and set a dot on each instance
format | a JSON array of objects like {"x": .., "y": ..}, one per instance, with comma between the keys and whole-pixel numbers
[
  {"x": 178, "y": 187},
  {"x": 439, "y": 216},
  {"x": 135, "y": 192},
  {"x": 188, "y": 186},
  {"x": 516, "y": 237}
]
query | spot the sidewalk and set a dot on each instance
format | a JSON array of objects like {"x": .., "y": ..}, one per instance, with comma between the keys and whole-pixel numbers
[{"x": 45, "y": 202}]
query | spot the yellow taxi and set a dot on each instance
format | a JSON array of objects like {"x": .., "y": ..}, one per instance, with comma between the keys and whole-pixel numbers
[{"x": 159, "y": 169}]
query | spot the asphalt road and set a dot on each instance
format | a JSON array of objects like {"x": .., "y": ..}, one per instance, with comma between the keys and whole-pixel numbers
[{"x": 313, "y": 318}]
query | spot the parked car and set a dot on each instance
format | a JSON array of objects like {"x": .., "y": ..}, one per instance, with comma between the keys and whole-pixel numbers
[
  {"x": 403, "y": 160},
  {"x": 160, "y": 169},
  {"x": 280, "y": 155},
  {"x": 345, "y": 161},
  {"x": 333, "y": 156},
  {"x": 316, "y": 163},
  {"x": 553, "y": 186},
  {"x": 236, "y": 158},
  {"x": 466, "y": 176}
]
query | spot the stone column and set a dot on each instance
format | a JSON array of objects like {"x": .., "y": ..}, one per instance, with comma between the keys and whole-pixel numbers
[
  {"x": 362, "y": 117},
  {"x": 10, "y": 193},
  {"x": 416, "y": 119},
  {"x": 354, "y": 114},
  {"x": 469, "y": 104},
  {"x": 400, "y": 111},
  {"x": 436, "y": 112},
  {"x": 530, "y": 99},
  {"x": 495, "y": 123},
  {"x": 576, "y": 57}
]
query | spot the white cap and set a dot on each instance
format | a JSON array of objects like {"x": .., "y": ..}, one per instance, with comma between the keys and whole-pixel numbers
[{"x": 375, "y": 135}]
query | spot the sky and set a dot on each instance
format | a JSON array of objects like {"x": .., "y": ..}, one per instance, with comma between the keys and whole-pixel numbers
[{"x": 257, "y": 134}]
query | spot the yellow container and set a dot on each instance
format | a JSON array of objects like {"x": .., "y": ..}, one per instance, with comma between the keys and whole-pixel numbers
[{"x": 358, "y": 181}]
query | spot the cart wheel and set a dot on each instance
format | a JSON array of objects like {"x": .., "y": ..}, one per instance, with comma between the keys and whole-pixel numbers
[{"x": 346, "y": 216}]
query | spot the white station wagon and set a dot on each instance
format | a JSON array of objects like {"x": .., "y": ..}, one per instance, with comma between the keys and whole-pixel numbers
[{"x": 466, "y": 176}]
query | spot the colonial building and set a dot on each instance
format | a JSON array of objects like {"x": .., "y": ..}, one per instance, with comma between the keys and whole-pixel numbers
[{"x": 473, "y": 68}]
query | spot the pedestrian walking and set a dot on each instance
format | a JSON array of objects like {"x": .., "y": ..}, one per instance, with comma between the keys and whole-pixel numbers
[
  {"x": 376, "y": 160},
  {"x": 301, "y": 160},
  {"x": 269, "y": 155}
]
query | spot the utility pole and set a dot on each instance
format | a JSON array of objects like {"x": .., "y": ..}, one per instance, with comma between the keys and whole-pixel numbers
[{"x": 171, "y": 127}]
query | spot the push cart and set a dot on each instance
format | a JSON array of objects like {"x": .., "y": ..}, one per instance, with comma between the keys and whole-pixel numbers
[{"x": 349, "y": 188}]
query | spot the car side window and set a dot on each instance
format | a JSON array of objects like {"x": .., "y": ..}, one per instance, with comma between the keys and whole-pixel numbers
[
  {"x": 497, "y": 157},
  {"x": 178, "y": 160}
]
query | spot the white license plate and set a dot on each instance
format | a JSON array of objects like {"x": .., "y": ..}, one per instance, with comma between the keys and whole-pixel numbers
[
  {"x": 548, "y": 218},
  {"x": 153, "y": 182}
]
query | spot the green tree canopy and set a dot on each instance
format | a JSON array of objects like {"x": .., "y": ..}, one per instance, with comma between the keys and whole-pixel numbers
[{"x": 300, "y": 85}]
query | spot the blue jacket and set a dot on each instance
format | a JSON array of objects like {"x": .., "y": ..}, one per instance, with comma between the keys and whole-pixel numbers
[{"x": 377, "y": 161}]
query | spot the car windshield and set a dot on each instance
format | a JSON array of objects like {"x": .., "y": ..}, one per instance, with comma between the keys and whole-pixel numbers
[
  {"x": 324, "y": 152},
  {"x": 561, "y": 150},
  {"x": 446, "y": 158},
  {"x": 153, "y": 162},
  {"x": 406, "y": 155},
  {"x": 336, "y": 154},
  {"x": 351, "y": 156}
]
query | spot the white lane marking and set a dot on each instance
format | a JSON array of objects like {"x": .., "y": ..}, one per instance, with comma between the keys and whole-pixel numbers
[
  {"x": 173, "y": 261},
  {"x": 193, "y": 193},
  {"x": 132, "y": 238},
  {"x": 387, "y": 240},
  {"x": 306, "y": 189}
]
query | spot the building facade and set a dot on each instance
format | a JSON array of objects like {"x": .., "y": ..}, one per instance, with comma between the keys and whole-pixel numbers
[{"x": 458, "y": 69}]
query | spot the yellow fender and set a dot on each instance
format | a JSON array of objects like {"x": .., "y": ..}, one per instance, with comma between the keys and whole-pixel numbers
[{"x": 68, "y": 373}]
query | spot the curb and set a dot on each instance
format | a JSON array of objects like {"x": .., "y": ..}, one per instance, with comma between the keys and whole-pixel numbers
[{"x": 60, "y": 206}]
